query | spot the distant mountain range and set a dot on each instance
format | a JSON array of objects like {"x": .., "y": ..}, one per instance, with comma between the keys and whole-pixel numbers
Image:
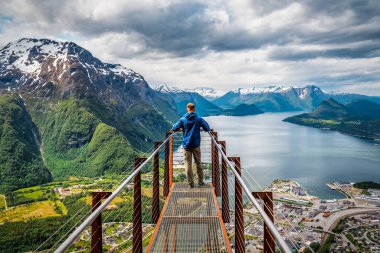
[
  {"x": 268, "y": 99},
  {"x": 203, "y": 106},
  {"x": 359, "y": 118},
  {"x": 181, "y": 97},
  {"x": 278, "y": 98},
  {"x": 208, "y": 93}
]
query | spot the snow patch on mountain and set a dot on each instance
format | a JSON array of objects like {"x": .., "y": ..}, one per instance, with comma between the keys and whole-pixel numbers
[
  {"x": 34, "y": 59},
  {"x": 259, "y": 90},
  {"x": 207, "y": 92},
  {"x": 164, "y": 88},
  {"x": 126, "y": 72},
  {"x": 25, "y": 54}
]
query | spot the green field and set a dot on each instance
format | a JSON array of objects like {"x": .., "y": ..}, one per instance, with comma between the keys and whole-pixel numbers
[
  {"x": 30, "y": 195},
  {"x": 2, "y": 202},
  {"x": 37, "y": 210}
]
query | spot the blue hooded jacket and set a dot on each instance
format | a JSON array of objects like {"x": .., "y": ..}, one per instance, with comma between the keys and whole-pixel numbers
[{"x": 191, "y": 124}]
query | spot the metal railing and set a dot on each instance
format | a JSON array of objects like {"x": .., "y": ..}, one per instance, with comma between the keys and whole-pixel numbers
[
  {"x": 168, "y": 140},
  {"x": 280, "y": 241},
  {"x": 67, "y": 243}
]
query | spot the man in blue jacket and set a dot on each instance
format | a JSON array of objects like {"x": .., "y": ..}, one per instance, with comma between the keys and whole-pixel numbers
[{"x": 191, "y": 125}]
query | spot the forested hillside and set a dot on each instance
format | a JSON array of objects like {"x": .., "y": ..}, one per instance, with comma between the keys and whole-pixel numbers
[{"x": 21, "y": 164}]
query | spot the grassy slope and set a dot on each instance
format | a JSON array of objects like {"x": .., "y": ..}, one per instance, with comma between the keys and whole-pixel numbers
[
  {"x": 21, "y": 164},
  {"x": 37, "y": 210},
  {"x": 77, "y": 142}
]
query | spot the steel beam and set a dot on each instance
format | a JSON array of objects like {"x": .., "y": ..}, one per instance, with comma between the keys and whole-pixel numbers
[
  {"x": 225, "y": 197},
  {"x": 96, "y": 233},
  {"x": 267, "y": 198},
  {"x": 239, "y": 215},
  {"x": 171, "y": 162},
  {"x": 166, "y": 167},
  {"x": 137, "y": 212},
  {"x": 156, "y": 185},
  {"x": 215, "y": 165}
]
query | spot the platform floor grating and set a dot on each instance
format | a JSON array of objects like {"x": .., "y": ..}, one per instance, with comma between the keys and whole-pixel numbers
[{"x": 190, "y": 222}]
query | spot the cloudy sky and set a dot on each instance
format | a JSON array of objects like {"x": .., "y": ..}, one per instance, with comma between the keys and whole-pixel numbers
[{"x": 221, "y": 43}]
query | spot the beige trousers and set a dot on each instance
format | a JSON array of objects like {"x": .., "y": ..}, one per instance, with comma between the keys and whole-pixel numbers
[{"x": 188, "y": 154}]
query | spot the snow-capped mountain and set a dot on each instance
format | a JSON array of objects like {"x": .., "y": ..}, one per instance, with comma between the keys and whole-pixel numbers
[
  {"x": 302, "y": 92},
  {"x": 166, "y": 89},
  {"x": 44, "y": 65},
  {"x": 280, "y": 98},
  {"x": 61, "y": 78},
  {"x": 208, "y": 93},
  {"x": 259, "y": 90},
  {"x": 271, "y": 98},
  {"x": 182, "y": 97}
]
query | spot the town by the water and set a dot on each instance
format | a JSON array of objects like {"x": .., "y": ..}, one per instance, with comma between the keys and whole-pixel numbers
[{"x": 351, "y": 224}]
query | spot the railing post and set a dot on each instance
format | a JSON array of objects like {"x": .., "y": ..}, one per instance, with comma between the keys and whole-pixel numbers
[
  {"x": 166, "y": 168},
  {"x": 212, "y": 159},
  {"x": 267, "y": 197},
  {"x": 171, "y": 162},
  {"x": 215, "y": 165},
  {"x": 96, "y": 234},
  {"x": 239, "y": 219},
  {"x": 225, "y": 198},
  {"x": 156, "y": 185},
  {"x": 137, "y": 215}
]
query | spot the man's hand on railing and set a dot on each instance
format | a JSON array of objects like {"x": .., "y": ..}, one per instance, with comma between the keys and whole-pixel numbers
[{"x": 172, "y": 131}]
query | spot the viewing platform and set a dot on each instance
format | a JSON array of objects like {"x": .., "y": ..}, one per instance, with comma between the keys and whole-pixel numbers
[
  {"x": 191, "y": 219},
  {"x": 190, "y": 222}
]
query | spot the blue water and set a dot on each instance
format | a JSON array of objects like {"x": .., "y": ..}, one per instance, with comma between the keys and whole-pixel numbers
[{"x": 272, "y": 149}]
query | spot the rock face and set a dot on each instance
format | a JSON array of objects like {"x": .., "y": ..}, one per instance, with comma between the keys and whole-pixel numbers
[{"x": 91, "y": 116}]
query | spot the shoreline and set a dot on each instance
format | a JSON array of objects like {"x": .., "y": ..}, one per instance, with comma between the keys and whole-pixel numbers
[
  {"x": 342, "y": 194},
  {"x": 335, "y": 188}
]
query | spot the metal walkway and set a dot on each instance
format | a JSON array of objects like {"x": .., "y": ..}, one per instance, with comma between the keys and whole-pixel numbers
[{"x": 190, "y": 222}]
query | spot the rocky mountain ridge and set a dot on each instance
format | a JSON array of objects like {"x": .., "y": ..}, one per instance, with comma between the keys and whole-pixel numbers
[{"x": 92, "y": 117}]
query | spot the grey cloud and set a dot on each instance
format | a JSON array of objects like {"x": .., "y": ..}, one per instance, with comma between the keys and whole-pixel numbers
[
  {"x": 368, "y": 51},
  {"x": 204, "y": 41},
  {"x": 183, "y": 28}
]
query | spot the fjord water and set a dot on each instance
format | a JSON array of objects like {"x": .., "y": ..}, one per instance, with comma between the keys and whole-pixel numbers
[{"x": 271, "y": 149}]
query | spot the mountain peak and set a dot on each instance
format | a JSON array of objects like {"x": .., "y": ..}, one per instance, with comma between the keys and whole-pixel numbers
[
  {"x": 40, "y": 46},
  {"x": 261, "y": 90},
  {"x": 28, "y": 54},
  {"x": 207, "y": 92},
  {"x": 43, "y": 66},
  {"x": 164, "y": 88}
]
